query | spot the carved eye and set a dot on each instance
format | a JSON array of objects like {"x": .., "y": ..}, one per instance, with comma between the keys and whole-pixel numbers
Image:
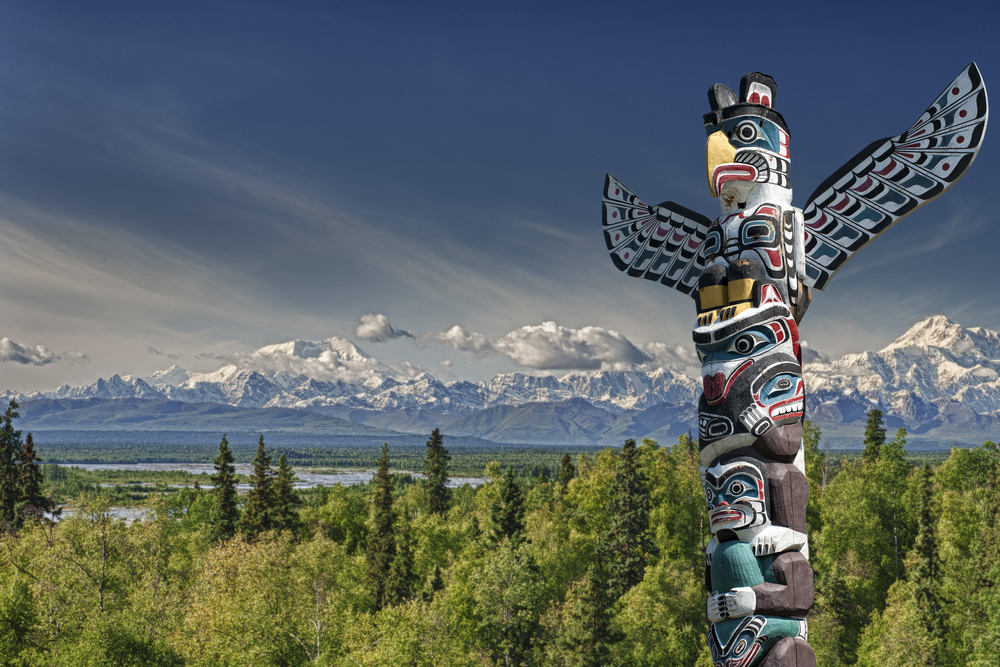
[
  {"x": 737, "y": 488},
  {"x": 742, "y": 646},
  {"x": 780, "y": 387},
  {"x": 747, "y": 132},
  {"x": 743, "y": 344},
  {"x": 709, "y": 495}
]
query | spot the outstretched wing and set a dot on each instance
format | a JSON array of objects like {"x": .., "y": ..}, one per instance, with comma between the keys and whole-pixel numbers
[
  {"x": 892, "y": 177},
  {"x": 653, "y": 242}
]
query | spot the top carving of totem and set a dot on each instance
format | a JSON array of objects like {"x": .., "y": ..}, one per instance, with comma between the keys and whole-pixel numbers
[{"x": 751, "y": 271}]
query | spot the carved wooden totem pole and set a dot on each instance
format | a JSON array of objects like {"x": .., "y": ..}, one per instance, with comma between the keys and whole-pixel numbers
[{"x": 750, "y": 272}]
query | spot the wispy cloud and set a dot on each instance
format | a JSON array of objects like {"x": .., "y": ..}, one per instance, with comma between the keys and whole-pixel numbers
[{"x": 160, "y": 353}]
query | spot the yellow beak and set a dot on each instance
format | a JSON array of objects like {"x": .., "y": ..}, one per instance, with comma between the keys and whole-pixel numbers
[{"x": 717, "y": 151}]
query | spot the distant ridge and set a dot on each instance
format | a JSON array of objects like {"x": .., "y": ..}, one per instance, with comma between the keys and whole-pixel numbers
[{"x": 939, "y": 380}]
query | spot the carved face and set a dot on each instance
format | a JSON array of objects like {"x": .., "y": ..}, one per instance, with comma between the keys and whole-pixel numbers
[
  {"x": 754, "y": 234},
  {"x": 735, "y": 492},
  {"x": 744, "y": 645},
  {"x": 751, "y": 377}
]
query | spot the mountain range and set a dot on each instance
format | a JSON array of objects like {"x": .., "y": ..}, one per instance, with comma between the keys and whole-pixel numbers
[{"x": 939, "y": 380}]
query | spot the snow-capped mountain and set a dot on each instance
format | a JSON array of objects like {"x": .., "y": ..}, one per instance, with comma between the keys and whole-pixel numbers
[
  {"x": 936, "y": 379},
  {"x": 337, "y": 378},
  {"x": 935, "y": 374}
]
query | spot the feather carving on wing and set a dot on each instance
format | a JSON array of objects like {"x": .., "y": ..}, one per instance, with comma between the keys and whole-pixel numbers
[
  {"x": 653, "y": 242},
  {"x": 893, "y": 177}
]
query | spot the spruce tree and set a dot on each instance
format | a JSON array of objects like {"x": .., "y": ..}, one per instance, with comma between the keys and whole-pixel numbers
[
  {"x": 10, "y": 449},
  {"x": 225, "y": 513},
  {"x": 567, "y": 471},
  {"x": 399, "y": 588},
  {"x": 926, "y": 573},
  {"x": 258, "y": 512},
  {"x": 436, "y": 469},
  {"x": 381, "y": 549},
  {"x": 507, "y": 515},
  {"x": 284, "y": 499},
  {"x": 585, "y": 635},
  {"x": 627, "y": 540},
  {"x": 874, "y": 436},
  {"x": 30, "y": 502}
]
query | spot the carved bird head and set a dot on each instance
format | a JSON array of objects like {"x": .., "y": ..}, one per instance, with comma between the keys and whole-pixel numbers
[{"x": 747, "y": 150}]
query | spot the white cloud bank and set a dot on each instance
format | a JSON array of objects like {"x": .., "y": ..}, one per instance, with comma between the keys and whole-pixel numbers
[
  {"x": 375, "y": 328},
  {"x": 550, "y": 346}
]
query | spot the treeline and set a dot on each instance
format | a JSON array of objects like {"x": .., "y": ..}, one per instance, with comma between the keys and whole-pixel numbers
[
  {"x": 466, "y": 460},
  {"x": 594, "y": 561}
]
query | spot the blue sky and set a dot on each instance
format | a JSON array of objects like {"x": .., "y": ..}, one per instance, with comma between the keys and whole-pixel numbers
[{"x": 180, "y": 182}]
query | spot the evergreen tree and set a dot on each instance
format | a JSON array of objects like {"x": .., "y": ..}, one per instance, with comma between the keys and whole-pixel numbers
[
  {"x": 874, "y": 436},
  {"x": 381, "y": 550},
  {"x": 436, "y": 583},
  {"x": 926, "y": 573},
  {"x": 258, "y": 511},
  {"x": 627, "y": 540},
  {"x": 814, "y": 460},
  {"x": 225, "y": 513},
  {"x": 399, "y": 588},
  {"x": 10, "y": 450},
  {"x": 585, "y": 634},
  {"x": 567, "y": 471},
  {"x": 284, "y": 499},
  {"x": 507, "y": 515},
  {"x": 30, "y": 501},
  {"x": 436, "y": 469}
]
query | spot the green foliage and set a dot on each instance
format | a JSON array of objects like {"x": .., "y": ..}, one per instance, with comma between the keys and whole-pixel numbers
[
  {"x": 93, "y": 590},
  {"x": 567, "y": 471},
  {"x": 436, "y": 469},
  {"x": 507, "y": 512},
  {"x": 226, "y": 514},
  {"x": 582, "y": 632},
  {"x": 874, "y": 436},
  {"x": 284, "y": 500},
  {"x": 381, "y": 550},
  {"x": 627, "y": 541},
  {"x": 815, "y": 461},
  {"x": 259, "y": 509}
]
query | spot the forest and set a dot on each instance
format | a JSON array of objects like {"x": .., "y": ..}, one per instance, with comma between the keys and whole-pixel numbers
[{"x": 595, "y": 560}]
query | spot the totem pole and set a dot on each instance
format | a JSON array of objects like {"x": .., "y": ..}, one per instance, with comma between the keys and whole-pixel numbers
[{"x": 751, "y": 272}]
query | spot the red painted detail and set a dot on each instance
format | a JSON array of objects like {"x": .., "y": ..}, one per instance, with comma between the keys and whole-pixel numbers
[
  {"x": 946, "y": 166},
  {"x": 717, "y": 379},
  {"x": 765, "y": 101},
  {"x": 768, "y": 293},
  {"x": 954, "y": 91},
  {"x": 775, "y": 257},
  {"x": 625, "y": 255},
  {"x": 963, "y": 113},
  {"x": 677, "y": 237},
  {"x": 733, "y": 172},
  {"x": 662, "y": 231},
  {"x": 908, "y": 156},
  {"x": 794, "y": 329},
  {"x": 614, "y": 214},
  {"x": 755, "y": 98},
  {"x": 820, "y": 222},
  {"x": 960, "y": 140},
  {"x": 767, "y": 210},
  {"x": 912, "y": 145},
  {"x": 842, "y": 203},
  {"x": 885, "y": 172},
  {"x": 618, "y": 191},
  {"x": 864, "y": 186},
  {"x": 917, "y": 134},
  {"x": 617, "y": 236}
]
